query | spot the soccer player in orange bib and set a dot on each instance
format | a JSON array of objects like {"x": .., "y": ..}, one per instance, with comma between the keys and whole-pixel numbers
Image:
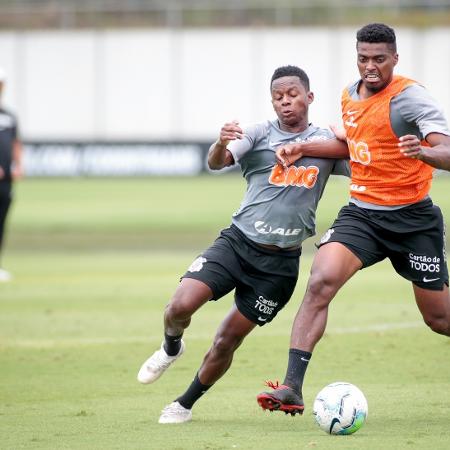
[{"x": 396, "y": 135}]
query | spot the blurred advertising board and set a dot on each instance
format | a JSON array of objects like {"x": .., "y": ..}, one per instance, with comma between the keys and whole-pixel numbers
[{"x": 67, "y": 159}]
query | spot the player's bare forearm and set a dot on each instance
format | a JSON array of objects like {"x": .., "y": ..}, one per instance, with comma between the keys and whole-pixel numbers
[
  {"x": 330, "y": 148},
  {"x": 437, "y": 155},
  {"x": 219, "y": 156}
]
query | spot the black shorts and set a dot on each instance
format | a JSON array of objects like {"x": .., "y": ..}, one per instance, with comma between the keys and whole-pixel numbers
[
  {"x": 263, "y": 279},
  {"x": 413, "y": 238}
]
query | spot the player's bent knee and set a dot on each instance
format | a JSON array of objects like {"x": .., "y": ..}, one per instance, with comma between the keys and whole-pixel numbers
[
  {"x": 438, "y": 324},
  {"x": 177, "y": 310},
  {"x": 321, "y": 289},
  {"x": 224, "y": 345}
]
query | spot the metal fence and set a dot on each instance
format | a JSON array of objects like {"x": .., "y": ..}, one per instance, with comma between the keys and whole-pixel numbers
[{"x": 66, "y": 14}]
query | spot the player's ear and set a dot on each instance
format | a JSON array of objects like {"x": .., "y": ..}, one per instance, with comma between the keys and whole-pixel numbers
[
  {"x": 310, "y": 97},
  {"x": 395, "y": 59}
]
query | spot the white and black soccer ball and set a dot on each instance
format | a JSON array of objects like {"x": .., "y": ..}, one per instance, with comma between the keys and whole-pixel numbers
[{"x": 340, "y": 408}]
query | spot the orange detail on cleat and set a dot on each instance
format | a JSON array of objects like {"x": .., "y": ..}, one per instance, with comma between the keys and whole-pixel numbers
[{"x": 283, "y": 398}]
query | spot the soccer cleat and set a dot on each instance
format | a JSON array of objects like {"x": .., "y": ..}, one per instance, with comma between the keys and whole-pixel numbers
[
  {"x": 282, "y": 398},
  {"x": 5, "y": 275},
  {"x": 175, "y": 413},
  {"x": 157, "y": 364}
]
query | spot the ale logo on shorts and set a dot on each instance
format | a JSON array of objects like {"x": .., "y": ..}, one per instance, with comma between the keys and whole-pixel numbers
[
  {"x": 326, "y": 236},
  {"x": 197, "y": 265}
]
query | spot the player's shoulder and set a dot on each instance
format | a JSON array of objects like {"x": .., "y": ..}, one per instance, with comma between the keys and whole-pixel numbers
[
  {"x": 414, "y": 89},
  {"x": 412, "y": 95},
  {"x": 316, "y": 133},
  {"x": 352, "y": 89},
  {"x": 7, "y": 118},
  {"x": 257, "y": 130}
]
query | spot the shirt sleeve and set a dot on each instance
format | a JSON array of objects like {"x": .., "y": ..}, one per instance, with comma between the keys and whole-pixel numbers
[
  {"x": 417, "y": 107},
  {"x": 240, "y": 147},
  {"x": 321, "y": 134}
]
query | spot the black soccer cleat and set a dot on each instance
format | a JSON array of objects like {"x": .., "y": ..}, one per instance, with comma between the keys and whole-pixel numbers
[{"x": 282, "y": 398}]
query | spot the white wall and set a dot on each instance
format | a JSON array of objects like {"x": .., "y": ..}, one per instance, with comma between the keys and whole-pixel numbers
[{"x": 168, "y": 84}]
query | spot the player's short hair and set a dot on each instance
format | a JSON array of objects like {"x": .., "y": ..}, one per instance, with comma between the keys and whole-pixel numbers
[
  {"x": 291, "y": 71},
  {"x": 375, "y": 33}
]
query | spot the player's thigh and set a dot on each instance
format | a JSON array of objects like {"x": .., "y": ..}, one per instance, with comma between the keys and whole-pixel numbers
[
  {"x": 189, "y": 296},
  {"x": 334, "y": 264},
  {"x": 262, "y": 293},
  {"x": 217, "y": 267},
  {"x": 354, "y": 229},
  {"x": 433, "y": 304}
]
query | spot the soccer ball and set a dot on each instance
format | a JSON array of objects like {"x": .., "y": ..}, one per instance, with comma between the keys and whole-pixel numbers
[{"x": 340, "y": 408}]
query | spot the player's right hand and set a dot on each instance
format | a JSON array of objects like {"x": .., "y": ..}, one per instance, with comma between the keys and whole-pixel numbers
[
  {"x": 230, "y": 132},
  {"x": 289, "y": 153}
]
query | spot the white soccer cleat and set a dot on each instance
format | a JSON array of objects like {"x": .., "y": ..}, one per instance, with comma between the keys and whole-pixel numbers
[
  {"x": 5, "y": 275},
  {"x": 157, "y": 364},
  {"x": 175, "y": 413}
]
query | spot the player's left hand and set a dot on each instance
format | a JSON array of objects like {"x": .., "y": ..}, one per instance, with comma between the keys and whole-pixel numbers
[
  {"x": 287, "y": 154},
  {"x": 410, "y": 146}
]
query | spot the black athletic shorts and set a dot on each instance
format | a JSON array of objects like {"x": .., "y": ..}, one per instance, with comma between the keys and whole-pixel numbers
[
  {"x": 413, "y": 238},
  {"x": 263, "y": 279}
]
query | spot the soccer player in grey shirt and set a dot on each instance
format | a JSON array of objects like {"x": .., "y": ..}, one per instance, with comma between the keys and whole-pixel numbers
[
  {"x": 258, "y": 255},
  {"x": 396, "y": 135}
]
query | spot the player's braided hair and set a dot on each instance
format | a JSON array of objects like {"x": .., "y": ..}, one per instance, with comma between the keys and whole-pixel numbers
[
  {"x": 375, "y": 33},
  {"x": 291, "y": 71}
]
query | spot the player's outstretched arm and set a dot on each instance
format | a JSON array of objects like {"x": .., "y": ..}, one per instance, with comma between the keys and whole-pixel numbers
[
  {"x": 330, "y": 148},
  {"x": 219, "y": 156},
  {"x": 438, "y": 155}
]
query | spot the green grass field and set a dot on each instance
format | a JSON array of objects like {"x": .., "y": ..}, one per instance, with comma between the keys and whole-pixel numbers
[{"x": 95, "y": 261}]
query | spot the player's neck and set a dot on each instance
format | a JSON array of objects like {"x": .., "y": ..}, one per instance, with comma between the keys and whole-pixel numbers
[{"x": 297, "y": 128}]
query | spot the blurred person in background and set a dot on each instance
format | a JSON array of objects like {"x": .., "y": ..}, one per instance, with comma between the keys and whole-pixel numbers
[
  {"x": 258, "y": 255},
  {"x": 10, "y": 166}
]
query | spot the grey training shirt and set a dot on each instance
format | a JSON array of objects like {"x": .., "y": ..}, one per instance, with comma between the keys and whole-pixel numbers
[{"x": 279, "y": 206}]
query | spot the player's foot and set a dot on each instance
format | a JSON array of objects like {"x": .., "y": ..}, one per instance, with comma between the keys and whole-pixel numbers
[
  {"x": 5, "y": 275},
  {"x": 175, "y": 413},
  {"x": 282, "y": 398},
  {"x": 157, "y": 364}
]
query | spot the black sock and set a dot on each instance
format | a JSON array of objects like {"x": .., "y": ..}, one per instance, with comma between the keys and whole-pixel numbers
[
  {"x": 172, "y": 344},
  {"x": 297, "y": 365},
  {"x": 193, "y": 393}
]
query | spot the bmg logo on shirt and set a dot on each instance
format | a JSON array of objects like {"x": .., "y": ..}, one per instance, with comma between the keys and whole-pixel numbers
[{"x": 294, "y": 176}]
